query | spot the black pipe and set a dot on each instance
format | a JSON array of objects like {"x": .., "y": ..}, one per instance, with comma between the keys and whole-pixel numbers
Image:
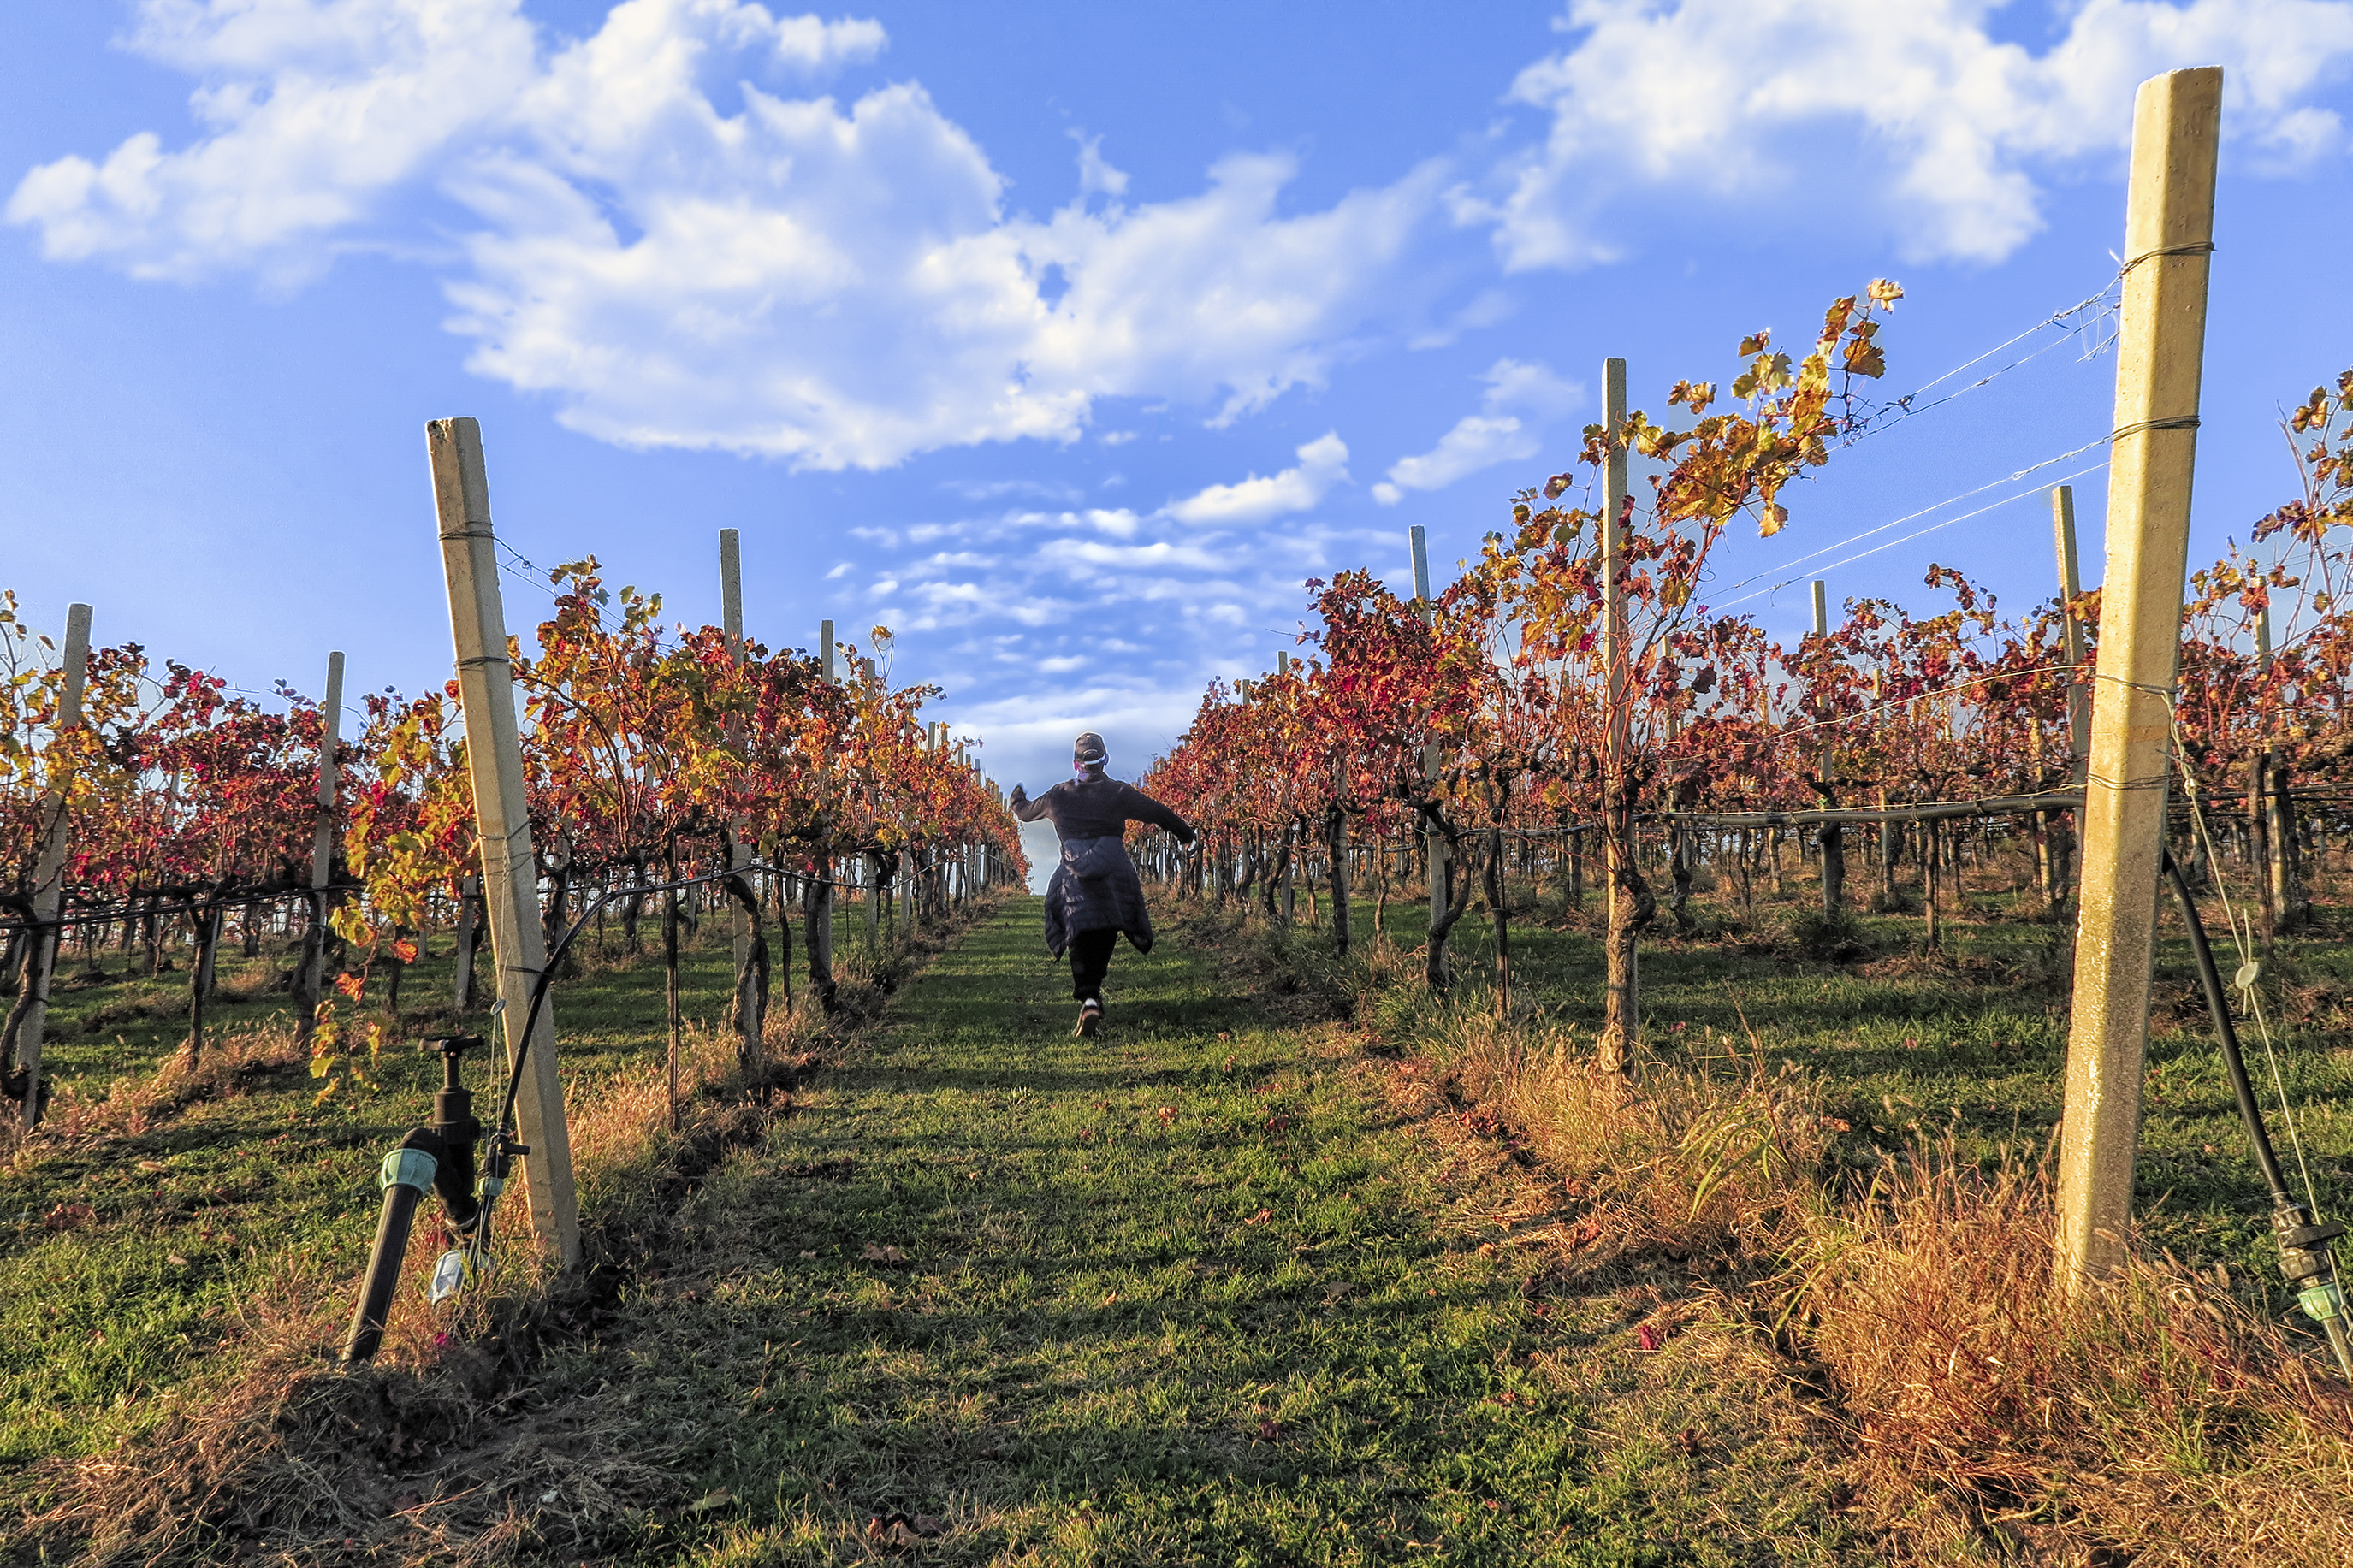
[
  {"x": 407, "y": 1175},
  {"x": 2308, "y": 1255},
  {"x": 2210, "y": 978}
]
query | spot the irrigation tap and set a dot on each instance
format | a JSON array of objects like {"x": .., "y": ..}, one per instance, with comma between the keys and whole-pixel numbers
[{"x": 438, "y": 1157}]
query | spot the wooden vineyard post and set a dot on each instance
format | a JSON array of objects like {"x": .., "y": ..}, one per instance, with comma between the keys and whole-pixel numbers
[
  {"x": 818, "y": 892},
  {"x": 2169, "y": 232},
  {"x": 1621, "y": 1006},
  {"x": 309, "y": 973},
  {"x": 1435, "y": 841},
  {"x": 2071, "y": 583},
  {"x": 1831, "y": 837},
  {"x": 2079, "y": 686},
  {"x": 49, "y": 870},
  {"x": 1335, "y": 850},
  {"x": 477, "y": 625},
  {"x": 750, "y": 964}
]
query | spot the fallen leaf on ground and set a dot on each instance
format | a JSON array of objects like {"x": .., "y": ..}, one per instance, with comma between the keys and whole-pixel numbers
[
  {"x": 710, "y": 1501},
  {"x": 872, "y": 1253},
  {"x": 903, "y": 1530},
  {"x": 1261, "y": 1217}
]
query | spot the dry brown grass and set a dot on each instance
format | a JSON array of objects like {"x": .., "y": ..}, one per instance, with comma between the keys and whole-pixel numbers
[
  {"x": 1707, "y": 1158},
  {"x": 2162, "y": 1419},
  {"x": 2159, "y": 1420},
  {"x": 132, "y": 1105}
]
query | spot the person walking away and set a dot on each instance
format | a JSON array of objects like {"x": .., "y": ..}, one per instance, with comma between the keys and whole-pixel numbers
[{"x": 1095, "y": 894}]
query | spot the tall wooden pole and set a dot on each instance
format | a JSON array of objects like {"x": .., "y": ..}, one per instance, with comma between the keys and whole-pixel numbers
[
  {"x": 477, "y": 624},
  {"x": 50, "y": 869},
  {"x": 2169, "y": 232},
  {"x": 1435, "y": 840},
  {"x": 1621, "y": 1005},
  {"x": 750, "y": 1005},
  {"x": 310, "y": 980},
  {"x": 1831, "y": 839},
  {"x": 2071, "y": 583},
  {"x": 825, "y": 650},
  {"x": 331, "y": 734}
]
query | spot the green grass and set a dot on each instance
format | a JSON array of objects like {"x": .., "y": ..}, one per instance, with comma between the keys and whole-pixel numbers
[
  {"x": 1187, "y": 1294},
  {"x": 208, "y": 1210},
  {"x": 1088, "y": 1346}
]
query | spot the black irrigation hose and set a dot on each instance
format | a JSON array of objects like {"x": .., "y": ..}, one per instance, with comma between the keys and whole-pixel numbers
[
  {"x": 2210, "y": 978},
  {"x": 546, "y": 979},
  {"x": 2307, "y": 1260}
]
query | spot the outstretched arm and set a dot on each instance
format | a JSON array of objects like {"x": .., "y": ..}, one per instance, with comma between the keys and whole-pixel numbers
[
  {"x": 1025, "y": 809},
  {"x": 1142, "y": 808}
]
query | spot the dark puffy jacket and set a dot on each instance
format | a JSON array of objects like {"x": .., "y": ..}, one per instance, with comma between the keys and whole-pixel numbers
[
  {"x": 1096, "y": 889},
  {"x": 1095, "y": 886}
]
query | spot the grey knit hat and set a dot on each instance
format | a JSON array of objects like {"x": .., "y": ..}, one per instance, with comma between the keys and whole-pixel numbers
[{"x": 1088, "y": 748}]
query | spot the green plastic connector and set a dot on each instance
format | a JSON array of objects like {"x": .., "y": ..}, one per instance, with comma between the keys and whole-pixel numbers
[
  {"x": 408, "y": 1168},
  {"x": 2322, "y": 1302}
]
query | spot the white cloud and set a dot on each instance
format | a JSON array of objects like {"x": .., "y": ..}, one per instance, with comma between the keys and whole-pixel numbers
[
  {"x": 1322, "y": 463},
  {"x": 1161, "y": 553},
  {"x": 993, "y": 489},
  {"x": 1713, "y": 98},
  {"x": 1519, "y": 400},
  {"x": 835, "y": 283},
  {"x": 1095, "y": 174}
]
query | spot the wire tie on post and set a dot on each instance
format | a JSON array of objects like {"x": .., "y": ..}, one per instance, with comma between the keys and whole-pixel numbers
[
  {"x": 2195, "y": 248},
  {"x": 2179, "y": 422}
]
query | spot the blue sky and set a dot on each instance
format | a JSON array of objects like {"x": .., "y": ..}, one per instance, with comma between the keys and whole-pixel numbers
[{"x": 1065, "y": 339}]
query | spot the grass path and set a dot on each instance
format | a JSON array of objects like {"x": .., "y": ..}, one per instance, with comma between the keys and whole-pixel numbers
[{"x": 1190, "y": 1293}]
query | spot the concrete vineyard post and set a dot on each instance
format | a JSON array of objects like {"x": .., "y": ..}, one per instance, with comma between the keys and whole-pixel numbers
[
  {"x": 309, "y": 977},
  {"x": 510, "y": 870},
  {"x": 49, "y": 870},
  {"x": 1831, "y": 837},
  {"x": 2071, "y": 583},
  {"x": 1622, "y": 1008},
  {"x": 1436, "y": 841},
  {"x": 2079, "y": 679},
  {"x": 751, "y": 1006},
  {"x": 2161, "y": 350},
  {"x": 818, "y": 895},
  {"x": 330, "y": 736}
]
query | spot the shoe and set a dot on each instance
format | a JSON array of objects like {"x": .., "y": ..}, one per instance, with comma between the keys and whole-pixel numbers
[{"x": 1090, "y": 1017}]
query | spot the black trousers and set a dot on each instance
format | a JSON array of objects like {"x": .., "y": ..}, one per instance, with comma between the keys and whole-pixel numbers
[{"x": 1090, "y": 962}]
